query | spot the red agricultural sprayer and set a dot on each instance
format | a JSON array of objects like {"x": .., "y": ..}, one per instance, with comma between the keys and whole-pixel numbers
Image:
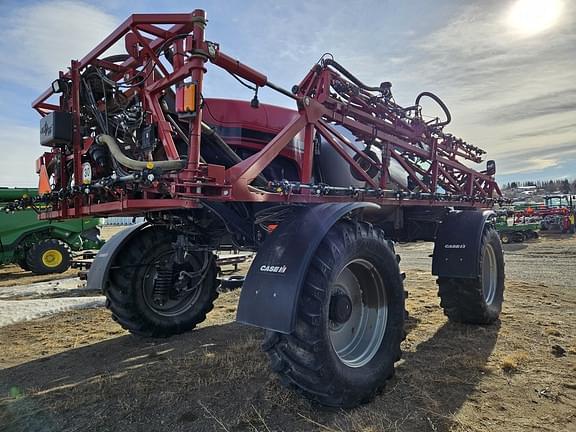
[{"x": 320, "y": 192}]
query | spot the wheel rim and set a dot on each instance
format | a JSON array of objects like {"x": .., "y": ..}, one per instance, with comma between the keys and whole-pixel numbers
[
  {"x": 52, "y": 258},
  {"x": 489, "y": 274},
  {"x": 174, "y": 305},
  {"x": 356, "y": 338}
]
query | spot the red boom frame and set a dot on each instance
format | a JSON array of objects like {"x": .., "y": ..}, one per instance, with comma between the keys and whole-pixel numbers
[{"x": 401, "y": 137}]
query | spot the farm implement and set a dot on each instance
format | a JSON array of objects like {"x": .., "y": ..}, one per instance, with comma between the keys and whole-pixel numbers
[
  {"x": 517, "y": 232},
  {"x": 41, "y": 246},
  {"x": 320, "y": 192},
  {"x": 558, "y": 214}
]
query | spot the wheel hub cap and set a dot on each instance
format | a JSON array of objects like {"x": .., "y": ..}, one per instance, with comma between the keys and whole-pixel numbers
[
  {"x": 340, "y": 308},
  {"x": 52, "y": 258},
  {"x": 358, "y": 313}
]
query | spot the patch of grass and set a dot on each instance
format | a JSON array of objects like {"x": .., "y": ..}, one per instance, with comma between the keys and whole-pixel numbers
[
  {"x": 552, "y": 331},
  {"x": 513, "y": 361}
]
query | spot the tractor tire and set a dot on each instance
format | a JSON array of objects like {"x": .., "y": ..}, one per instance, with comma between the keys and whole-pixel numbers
[
  {"x": 140, "y": 293},
  {"x": 350, "y": 320},
  {"x": 48, "y": 256},
  {"x": 479, "y": 300},
  {"x": 23, "y": 264}
]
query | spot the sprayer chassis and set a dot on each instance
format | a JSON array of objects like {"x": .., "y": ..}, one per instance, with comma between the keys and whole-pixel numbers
[{"x": 325, "y": 283}]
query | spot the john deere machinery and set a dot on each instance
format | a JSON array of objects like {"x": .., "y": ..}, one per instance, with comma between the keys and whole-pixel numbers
[
  {"x": 516, "y": 232},
  {"x": 41, "y": 246}
]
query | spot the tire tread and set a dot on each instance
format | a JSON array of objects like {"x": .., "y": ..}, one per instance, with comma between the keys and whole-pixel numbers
[
  {"x": 462, "y": 299},
  {"x": 297, "y": 358},
  {"x": 120, "y": 292}
]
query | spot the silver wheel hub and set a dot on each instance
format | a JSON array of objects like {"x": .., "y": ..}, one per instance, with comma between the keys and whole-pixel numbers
[
  {"x": 358, "y": 313},
  {"x": 489, "y": 274}
]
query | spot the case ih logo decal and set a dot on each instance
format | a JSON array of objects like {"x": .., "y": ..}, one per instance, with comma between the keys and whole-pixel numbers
[
  {"x": 273, "y": 269},
  {"x": 455, "y": 246}
]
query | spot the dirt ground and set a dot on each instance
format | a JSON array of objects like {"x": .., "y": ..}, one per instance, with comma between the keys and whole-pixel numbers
[{"x": 79, "y": 371}]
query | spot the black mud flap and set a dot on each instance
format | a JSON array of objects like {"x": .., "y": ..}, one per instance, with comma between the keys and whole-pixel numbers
[
  {"x": 457, "y": 245},
  {"x": 98, "y": 273},
  {"x": 270, "y": 294}
]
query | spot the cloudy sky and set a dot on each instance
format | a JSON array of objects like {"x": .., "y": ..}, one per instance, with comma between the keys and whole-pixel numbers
[{"x": 506, "y": 68}]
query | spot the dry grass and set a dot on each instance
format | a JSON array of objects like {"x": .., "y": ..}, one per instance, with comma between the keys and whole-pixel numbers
[
  {"x": 80, "y": 371},
  {"x": 513, "y": 361},
  {"x": 552, "y": 331},
  {"x": 216, "y": 379}
]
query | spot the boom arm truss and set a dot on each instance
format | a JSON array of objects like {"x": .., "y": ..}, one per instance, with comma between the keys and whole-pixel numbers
[{"x": 165, "y": 51}]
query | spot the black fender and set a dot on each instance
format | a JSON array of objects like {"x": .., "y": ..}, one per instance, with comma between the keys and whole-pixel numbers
[
  {"x": 98, "y": 273},
  {"x": 271, "y": 291},
  {"x": 457, "y": 244}
]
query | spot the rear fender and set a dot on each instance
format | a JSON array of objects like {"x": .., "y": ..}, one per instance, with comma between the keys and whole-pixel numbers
[
  {"x": 270, "y": 294},
  {"x": 457, "y": 244},
  {"x": 98, "y": 273}
]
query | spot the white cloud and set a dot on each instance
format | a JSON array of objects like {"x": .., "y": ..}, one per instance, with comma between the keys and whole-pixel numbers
[
  {"x": 40, "y": 39},
  {"x": 20, "y": 149},
  {"x": 509, "y": 94},
  {"x": 538, "y": 159},
  {"x": 526, "y": 166}
]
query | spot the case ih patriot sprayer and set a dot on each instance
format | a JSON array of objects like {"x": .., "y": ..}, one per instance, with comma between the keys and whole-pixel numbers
[{"x": 321, "y": 192}]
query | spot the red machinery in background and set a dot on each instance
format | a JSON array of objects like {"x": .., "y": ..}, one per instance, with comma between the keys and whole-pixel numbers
[
  {"x": 320, "y": 192},
  {"x": 556, "y": 214}
]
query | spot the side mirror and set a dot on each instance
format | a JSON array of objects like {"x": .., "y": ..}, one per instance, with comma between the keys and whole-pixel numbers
[{"x": 491, "y": 167}]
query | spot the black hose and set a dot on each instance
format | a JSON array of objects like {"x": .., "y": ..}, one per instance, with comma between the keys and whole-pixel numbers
[
  {"x": 439, "y": 102},
  {"x": 280, "y": 90},
  {"x": 348, "y": 74}
]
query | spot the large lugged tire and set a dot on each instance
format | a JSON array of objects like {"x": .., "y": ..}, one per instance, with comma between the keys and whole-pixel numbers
[
  {"x": 141, "y": 290},
  {"x": 23, "y": 264},
  {"x": 48, "y": 256},
  {"x": 479, "y": 300},
  {"x": 350, "y": 320}
]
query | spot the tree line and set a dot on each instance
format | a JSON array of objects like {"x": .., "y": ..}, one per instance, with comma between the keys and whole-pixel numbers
[{"x": 564, "y": 186}]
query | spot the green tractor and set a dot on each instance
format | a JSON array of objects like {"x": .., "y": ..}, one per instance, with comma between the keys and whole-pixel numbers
[{"x": 41, "y": 246}]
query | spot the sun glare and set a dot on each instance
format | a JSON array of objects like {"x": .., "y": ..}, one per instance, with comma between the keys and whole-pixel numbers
[{"x": 529, "y": 17}]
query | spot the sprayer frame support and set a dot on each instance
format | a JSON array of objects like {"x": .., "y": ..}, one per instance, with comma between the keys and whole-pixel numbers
[{"x": 318, "y": 110}]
